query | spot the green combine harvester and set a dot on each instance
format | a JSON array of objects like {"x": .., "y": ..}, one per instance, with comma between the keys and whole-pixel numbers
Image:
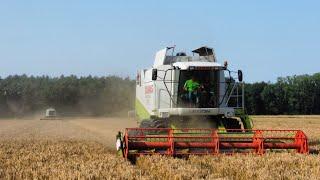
[{"x": 192, "y": 105}]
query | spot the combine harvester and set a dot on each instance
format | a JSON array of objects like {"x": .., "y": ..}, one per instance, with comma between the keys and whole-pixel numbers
[
  {"x": 51, "y": 114},
  {"x": 192, "y": 105}
]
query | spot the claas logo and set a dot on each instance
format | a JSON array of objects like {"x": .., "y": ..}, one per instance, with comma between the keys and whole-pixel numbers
[{"x": 148, "y": 89}]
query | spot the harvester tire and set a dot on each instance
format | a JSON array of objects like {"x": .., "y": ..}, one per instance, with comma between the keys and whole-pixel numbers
[
  {"x": 154, "y": 123},
  {"x": 232, "y": 123},
  {"x": 160, "y": 123},
  {"x": 146, "y": 124}
]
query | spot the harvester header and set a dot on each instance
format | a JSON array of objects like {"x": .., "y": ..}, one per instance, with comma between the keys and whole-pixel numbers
[{"x": 194, "y": 141}]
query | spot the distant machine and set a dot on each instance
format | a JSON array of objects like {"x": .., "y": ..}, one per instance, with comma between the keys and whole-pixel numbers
[
  {"x": 193, "y": 105},
  {"x": 50, "y": 114}
]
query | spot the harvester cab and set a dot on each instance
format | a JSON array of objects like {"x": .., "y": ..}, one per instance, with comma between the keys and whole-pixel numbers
[
  {"x": 190, "y": 91},
  {"x": 194, "y": 105}
]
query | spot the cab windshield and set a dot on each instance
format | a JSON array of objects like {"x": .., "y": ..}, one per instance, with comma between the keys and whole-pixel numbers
[{"x": 198, "y": 89}]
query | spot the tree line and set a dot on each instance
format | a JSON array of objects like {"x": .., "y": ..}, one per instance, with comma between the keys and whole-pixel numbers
[
  {"x": 69, "y": 95},
  {"x": 110, "y": 95},
  {"x": 289, "y": 95}
]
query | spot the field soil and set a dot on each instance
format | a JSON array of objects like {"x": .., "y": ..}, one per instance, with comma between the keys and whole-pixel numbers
[{"x": 84, "y": 148}]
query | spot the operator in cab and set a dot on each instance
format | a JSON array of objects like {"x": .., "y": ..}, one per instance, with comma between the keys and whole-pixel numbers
[
  {"x": 192, "y": 86},
  {"x": 206, "y": 96}
]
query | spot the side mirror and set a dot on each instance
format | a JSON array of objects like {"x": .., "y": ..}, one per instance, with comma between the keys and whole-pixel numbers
[
  {"x": 240, "y": 75},
  {"x": 154, "y": 74}
]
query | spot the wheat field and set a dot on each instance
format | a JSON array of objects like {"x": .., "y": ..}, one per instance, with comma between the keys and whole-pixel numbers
[{"x": 84, "y": 149}]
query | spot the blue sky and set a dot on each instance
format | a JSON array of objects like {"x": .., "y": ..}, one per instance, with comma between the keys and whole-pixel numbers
[{"x": 266, "y": 39}]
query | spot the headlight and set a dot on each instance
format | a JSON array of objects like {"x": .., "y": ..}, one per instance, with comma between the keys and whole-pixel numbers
[{"x": 118, "y": 144}]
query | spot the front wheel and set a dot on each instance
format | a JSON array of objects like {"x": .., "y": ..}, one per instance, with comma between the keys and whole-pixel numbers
[
  {"x": 232, "y": 124},
  {"x": 154, "y": 123}
]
